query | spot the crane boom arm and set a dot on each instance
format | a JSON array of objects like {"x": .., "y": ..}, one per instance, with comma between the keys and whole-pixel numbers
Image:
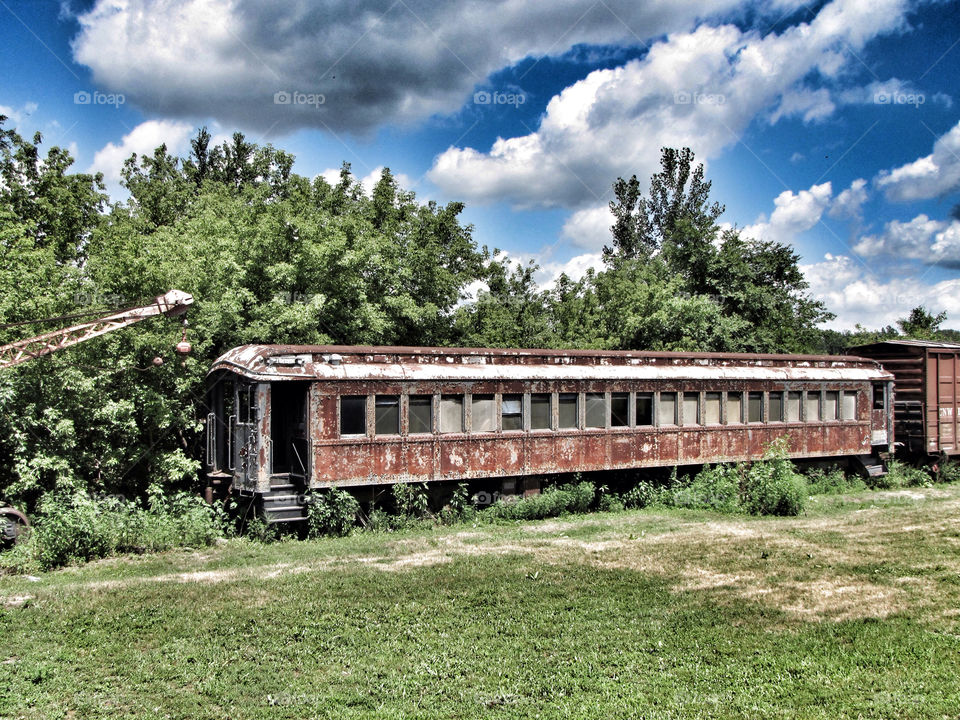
[{"x": 174, "y": 302}]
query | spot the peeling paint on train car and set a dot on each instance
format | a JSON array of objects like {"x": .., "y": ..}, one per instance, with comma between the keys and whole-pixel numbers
[{"x": 370, "y": 459}]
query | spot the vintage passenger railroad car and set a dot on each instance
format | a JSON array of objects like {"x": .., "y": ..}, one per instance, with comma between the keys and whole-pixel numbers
[
  {"x": 927, "y": 385},
  {"x": 285, "y": 419}
]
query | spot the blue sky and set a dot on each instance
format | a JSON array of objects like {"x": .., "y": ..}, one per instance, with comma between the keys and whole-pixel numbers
[{"x": 831, "y": 126}]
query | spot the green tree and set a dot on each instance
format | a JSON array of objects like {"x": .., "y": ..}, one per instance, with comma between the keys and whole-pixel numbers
[
  {"x": 741, "y": 293},
  {"x": 921, "y": 325}
]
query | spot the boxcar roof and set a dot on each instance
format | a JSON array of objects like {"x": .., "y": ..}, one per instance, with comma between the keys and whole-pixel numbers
[
  {"x": 336, "y": 362},
  {"x": 909, "y": 343}
]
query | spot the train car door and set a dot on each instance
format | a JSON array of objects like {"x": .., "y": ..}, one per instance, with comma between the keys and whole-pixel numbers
[
  {"x": 290, "y": 428},
  {"x": 246, "y": 436}
]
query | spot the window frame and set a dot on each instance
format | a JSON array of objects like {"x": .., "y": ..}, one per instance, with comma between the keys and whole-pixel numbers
[
  {"x": 504, "y": 414},
  {"x": 410, "y": 406},
  {"x": 576, "y": 405},
  {"x": 604, "y": 409},
  {"x": 549, "y": 396},
  {"x": 463, "y": 413},
  {"x": 647, "y": 395},
  {"x": 382, "y": 400},
  {"x": 366, "y": 425},
  {"x": 659, "y": 408}
]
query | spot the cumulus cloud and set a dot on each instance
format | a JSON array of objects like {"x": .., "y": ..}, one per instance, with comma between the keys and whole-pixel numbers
[
  {"x": 373, "y": 61},
  {"x": 589, "y": 228},
  {"x": 856, "y": 296},
  {"x": 848, "y": 203},
  {"x": 934, "y": 242},
  {"x": 793, "y": 214},
  {"x": 931, "y": 176},
  {"x": 811, "y": 105},
  {"x": 699, "y": 88},
  {"x": 143, "y": 140}
]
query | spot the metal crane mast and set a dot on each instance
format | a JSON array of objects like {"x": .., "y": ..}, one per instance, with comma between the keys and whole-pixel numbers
[{"x": 172, "y": 303}]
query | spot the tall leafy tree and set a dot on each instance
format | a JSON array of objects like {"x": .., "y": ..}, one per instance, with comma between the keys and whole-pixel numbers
[{"x": 920, "y": 324}]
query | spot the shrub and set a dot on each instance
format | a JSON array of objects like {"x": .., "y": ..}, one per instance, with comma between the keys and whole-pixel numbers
[
  {"x": 553, "y": 501},
  {"x": 77, "y": 527},
  {"x": 834, "y": 480},
  {"x": 947, "y": 471},
  {"x": 411, "y": 500},
  {"x": 459, "y": 508},
  {"x": 333, "y": 512},
  {"x": 900, "y": 475},
  {"x": 713, "y": 488},
  {"x": 772, "y": 485},
  {"x": 640, "y": 496}
]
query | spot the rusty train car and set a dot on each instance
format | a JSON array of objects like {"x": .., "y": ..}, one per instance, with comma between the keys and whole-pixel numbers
[
  {"x": 288, "y": 419},
  {"x": 927, "y": 386}
]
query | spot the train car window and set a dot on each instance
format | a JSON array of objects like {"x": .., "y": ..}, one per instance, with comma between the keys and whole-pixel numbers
[
  {"x": 420, "y": 414},
  {"x": 775, "y": 407},
  {"x": 619, "y": 409},
  {"x": 849, "y": 408},
  {"x": 831, "y": 408},
  {"x": 247, "y": 404},
  {"x": 451, "y": 413},
  {"x": 567, "y": 410},
  {"x": 596, "y": 410},
  {"x": 734, "y": 408},
  {"x": 711, "y": 408},
  {"x": 813, "y": 406},
  {"x": 691, "y": 408},
  {"x": 793, "y": 406},
  {"x": 353, "y": 414},
  {"x": 511, "y": 412},
  {"x": 540, "y": 411},
  {"x": 878, "y": 402},
  {"x": 484, "y": 409},
  {"x": 387, "y": 414},
  {"x": 644, "y": 408},
  {"x": 755, "y": 407},
  {"x": 668, "y": 409}
]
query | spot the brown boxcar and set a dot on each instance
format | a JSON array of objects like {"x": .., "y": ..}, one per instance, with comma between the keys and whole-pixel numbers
[
  {"x": 285, "y": 419},
  {"x": 926, "y": 406}
]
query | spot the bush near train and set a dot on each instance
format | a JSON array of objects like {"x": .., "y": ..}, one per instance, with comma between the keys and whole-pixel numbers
[{"x": 75, "y": 529}]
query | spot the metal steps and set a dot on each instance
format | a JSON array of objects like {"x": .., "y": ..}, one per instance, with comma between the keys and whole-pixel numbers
[
  {"x": 871, "y": 466},
  {"x": 283, "y": 504}
]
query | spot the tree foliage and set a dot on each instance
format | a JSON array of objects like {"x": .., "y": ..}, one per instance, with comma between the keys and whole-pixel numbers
[
  {"x": 269, "y": 255},
  {"x": 272, "y": 256}
]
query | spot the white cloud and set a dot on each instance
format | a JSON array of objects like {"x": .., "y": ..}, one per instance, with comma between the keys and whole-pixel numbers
[
  {"x": 17, "y": 116},
  {"x": 369, "y": 181},
  {"x": 373, "y": 62},
  {"x": 589, "y": 228},
  {"x": 849, "y": 202},
  {"x": 699, "y": 89},
  {"x": 812, "y": 105},
  {"x": 934, "y": 242},
  {"x": 574, "y": 268},
  {"x": 143, "y": 140},
  {"x": 857, "y": 297},
  {"x": 931, "y": 176},
  {"x": 794, "y": 213}
]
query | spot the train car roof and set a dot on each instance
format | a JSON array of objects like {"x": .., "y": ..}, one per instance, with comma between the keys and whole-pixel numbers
[
  {"x": 341, "y": 362},
  {"x": 937, "y": 344}
]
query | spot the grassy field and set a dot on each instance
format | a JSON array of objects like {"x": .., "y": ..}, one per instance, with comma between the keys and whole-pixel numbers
[{"x": 852, "y": 610}]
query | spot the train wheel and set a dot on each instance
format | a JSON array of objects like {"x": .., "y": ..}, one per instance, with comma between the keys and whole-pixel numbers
[{"x": 14, "y": 526}]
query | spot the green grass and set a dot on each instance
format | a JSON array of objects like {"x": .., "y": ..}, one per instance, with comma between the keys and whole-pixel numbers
[{"x": 847, "y": 611}]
